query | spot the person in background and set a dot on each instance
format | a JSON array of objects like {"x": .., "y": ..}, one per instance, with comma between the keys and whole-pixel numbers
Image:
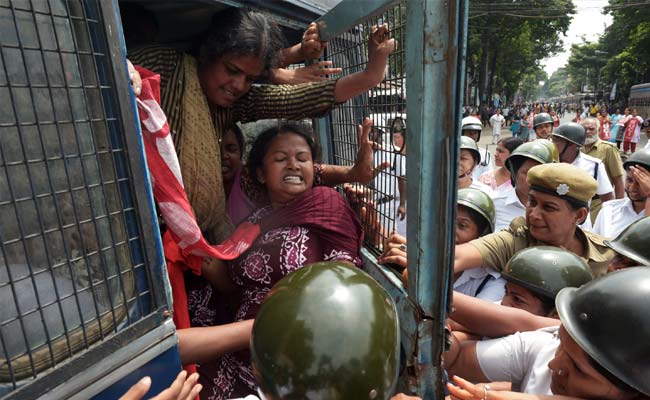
[
  {"x": 622, "y": 122},
  {"x": 472, "y": 127},
  {"x": 469, "y": 159},
  {"x": 499, "y": 178},
  {"x": 556, "y": 119},
  {"x": 496, "y": 121},
  {"x": 515, "y": 126},
  {"x": 616, "y": 215},
  {"x": 613, "y": 131},
  {"x": 525, "y": 128},
  {"x": 606, "y": 152},
  {"x": 570, "y": 138},
  {"x": 605, "y": 121},
  {"x": 543, "y": 125},
  {"x": 632, "y": 132}
]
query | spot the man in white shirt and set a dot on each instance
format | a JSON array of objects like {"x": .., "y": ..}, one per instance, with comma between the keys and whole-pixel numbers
[
  {"x": 569, "y": 138},
  {"x": 616, "y": 215},
  {"x": 512, "y": 202},
  {"x": 495, "y": 122},
  {"x": 472, "y": 127}
]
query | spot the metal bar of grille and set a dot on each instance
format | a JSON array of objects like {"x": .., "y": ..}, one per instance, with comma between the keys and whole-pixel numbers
[
  {"x": 384, "y": 104},
  {"x": 70, "y": 234}
]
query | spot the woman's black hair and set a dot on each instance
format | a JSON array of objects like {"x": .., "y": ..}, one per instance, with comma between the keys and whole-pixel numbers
[
  {"x": 243, "y": 33},
  {"x": 239, "y": 136},
  {"x": 511, "y": 143},
  {"x": 263, "y": 142},
  {"x": 482, "y": 224}
]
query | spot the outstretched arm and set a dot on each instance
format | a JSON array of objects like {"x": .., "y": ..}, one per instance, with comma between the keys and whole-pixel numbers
[
  {"x": 380, "y": 46},
  {"x": 202, "y": 344},
  {"x": 493, "y": 320},
  {"x": 363, "y": 170}
]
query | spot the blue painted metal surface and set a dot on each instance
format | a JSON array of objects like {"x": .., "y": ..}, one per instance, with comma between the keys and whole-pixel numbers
[
  {"x": 162, "y": 369},
  {"x": 349, "y": 13},
  {"x": 158, "y": 264},
  {"x": 435, "y": 40}
]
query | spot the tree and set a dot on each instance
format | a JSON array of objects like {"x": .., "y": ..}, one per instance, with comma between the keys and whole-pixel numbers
[{"x": 508, "y": 39}]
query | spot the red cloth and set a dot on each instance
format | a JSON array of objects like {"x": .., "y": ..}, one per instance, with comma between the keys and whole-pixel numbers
[{"x": 183, "y": 242}]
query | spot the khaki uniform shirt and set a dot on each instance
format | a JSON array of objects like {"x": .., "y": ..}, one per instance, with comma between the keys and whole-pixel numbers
[
  {"x": 608, "y": 153},
  {"x": 497, "y": 248}
]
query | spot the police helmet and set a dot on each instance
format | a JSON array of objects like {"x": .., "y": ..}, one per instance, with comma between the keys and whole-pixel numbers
[
  {"x": 472, "y": 124},
  {"x": 610, "y": 322},
  {"x": 326, "y": 331},
  {"x": 468, "y": 143},
  {"x": 572, "y": 132},
  {"x": 480, "y": 202},
  {"x": 640, "y": 158},
  {"x": 545, "y": 270},
  {"x": 542, "y": 150},
  {"x": 633, "y": 242},
  {"x": 541, "y": 119}
]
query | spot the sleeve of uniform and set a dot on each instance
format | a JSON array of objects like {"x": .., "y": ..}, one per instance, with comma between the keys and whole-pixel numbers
[
  {"x": 496, "y": 248},
  {"x": 293, "y": 102},
  {"x": 509, "y": 358},
  {"x": 614, "y": 163},
  {"x": 604, "y": 185}
]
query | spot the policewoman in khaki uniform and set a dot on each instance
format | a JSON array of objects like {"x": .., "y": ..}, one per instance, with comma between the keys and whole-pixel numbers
[{"x": 558, "y": 202}]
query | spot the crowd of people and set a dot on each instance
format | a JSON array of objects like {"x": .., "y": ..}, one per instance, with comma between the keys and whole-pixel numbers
[{"x": 540, "y": 234}]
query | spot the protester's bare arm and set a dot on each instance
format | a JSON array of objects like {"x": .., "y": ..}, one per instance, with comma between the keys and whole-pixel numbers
[
  {"x": 316, "y": 72},
  {"x": 493, "y": 320},
  {"x": 202, "y": 344},
  {"x": 309, "y": 48},
  {"x": 363, "y": 170},
  {"x": 380, "y": 46}
]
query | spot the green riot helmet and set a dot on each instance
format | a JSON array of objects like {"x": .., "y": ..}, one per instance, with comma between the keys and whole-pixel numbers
[
  {"x": 326, "y": 331},
  {"x": 468, "y": 143},
  {"x": 633, "y": 242},
  {"x": 541, "y": 119},
  {"x": 610, "y": 321},
  {"x": 472, "y": 124},
  {"x": 542, "y": 150},
  {"x": 480, "y": 202},
  {"x": 545, "y": 270},
  {"x": 640, "y": 158},
  {"x": 571, "y": 131}
]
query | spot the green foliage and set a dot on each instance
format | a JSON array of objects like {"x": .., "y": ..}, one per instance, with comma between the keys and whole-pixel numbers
[
  {"x": 622, "y": 53},
  {"x": 507, "y": 39}
]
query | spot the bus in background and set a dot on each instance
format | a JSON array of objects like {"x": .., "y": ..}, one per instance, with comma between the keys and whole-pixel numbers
[{"x": 640, "y": 99}]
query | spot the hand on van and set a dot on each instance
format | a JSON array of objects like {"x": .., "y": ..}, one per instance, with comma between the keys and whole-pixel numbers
[
  {"x": 183, "y": 388},
  {"x": 134, "y": 77}
]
